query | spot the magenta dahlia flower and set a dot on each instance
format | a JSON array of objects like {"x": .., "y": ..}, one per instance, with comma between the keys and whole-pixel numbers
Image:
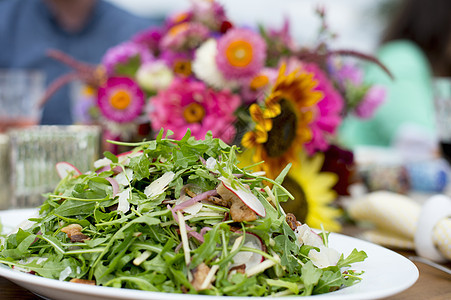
[
  {"x": 149, "y": 38},
  {"x": 328, "y": 115},
  {"x": 120, "y": 99},
  {"x": 373, "y": 98},
  {"x": 241, "y": 53},
  {"x": 191, "y": 104},
  {"x": 123, "y": 54}
]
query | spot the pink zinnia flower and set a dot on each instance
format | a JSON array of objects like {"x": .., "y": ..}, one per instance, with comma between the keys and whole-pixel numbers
[
  {"x": 328, "y": 114},
  {"x": 191, "y": 104},
  {"x": 373, "y": 98},
  {"x": 241, "y": 53},
  {"x": 350, "y": 73},
  {"x": 185, "y": 36},
  {"x": 123, "y": 54},
  {"x": 120, "y": 99}
]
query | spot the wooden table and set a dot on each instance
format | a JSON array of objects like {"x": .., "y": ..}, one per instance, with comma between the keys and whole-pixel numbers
[{"x": 431, "y": 285}]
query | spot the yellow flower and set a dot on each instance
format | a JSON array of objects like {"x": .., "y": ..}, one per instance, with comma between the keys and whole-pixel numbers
[
  {"x": 257, "y": 115},
  {"x": 289, "y": 107},
  {"x": 313, "y": 192},
  {"x": 252, "y": 139}
]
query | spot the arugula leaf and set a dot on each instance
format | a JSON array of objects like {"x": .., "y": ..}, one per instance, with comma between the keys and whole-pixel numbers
[
  {"x": 310, "y": 277},
  {"x": 353, "y": 257}
]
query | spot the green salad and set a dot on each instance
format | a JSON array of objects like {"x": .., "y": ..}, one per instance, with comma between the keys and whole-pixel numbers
[{"x": 177, "y": 216}]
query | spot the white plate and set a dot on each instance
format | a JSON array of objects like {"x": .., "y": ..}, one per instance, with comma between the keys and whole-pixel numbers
[{"x": 386, "y": 273}]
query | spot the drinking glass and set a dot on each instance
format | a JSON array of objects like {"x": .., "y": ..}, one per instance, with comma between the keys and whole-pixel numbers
[
  {"x": 20, "y": 93},
  {"x": 4, "y": 171},
  {"x": 442, "y": 102},
  {"x": 34, "y": 152}
]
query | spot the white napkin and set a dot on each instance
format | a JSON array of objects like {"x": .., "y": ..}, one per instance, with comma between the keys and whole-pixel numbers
[{"x": 401, "y": 222}]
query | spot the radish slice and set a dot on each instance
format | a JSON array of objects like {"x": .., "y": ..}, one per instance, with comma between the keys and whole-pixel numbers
[
  {"x": 104, "y": 164},
  {"x": 249, "y": 259},
  {"x": 124, "y": 158},
  {"x": 64, "y": 168},
  {"x": 246, "y": 196}
]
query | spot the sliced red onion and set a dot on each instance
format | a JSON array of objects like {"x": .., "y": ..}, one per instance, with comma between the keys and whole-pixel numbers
[
  {"x": 205, "y": 229},
  {"x": 190, "y": 231},
  {"x": 114, "y": 184},
  {"x": 195, "y": 199}
]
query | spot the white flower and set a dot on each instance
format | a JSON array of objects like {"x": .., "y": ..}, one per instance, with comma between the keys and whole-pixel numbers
[
  {"x": 154, "y": 76},
  {"x": 326, "y": 257},
  {"x": 157, "y": 187},
  {"x": 205, "y": 68}
]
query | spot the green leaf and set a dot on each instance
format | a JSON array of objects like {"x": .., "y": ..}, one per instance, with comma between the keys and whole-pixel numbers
[
  {"x": 329, "y": 281},
  {"x": 74, "y": 208},
  {"x": 353, "y": 257},
  {"x": 286, "y": 248},
  {"x": 310, "y": 277},
  {"x": 140, "y": 165},
  {"x": 110, "y": 156},
  {"x": 292, "y": 286}
]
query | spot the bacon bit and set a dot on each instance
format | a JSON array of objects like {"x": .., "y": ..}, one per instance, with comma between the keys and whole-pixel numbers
[
  {"x": 112, "y": 207},
  {"x": 333, "y": 288},
  {"x": 73, "y": 232},
  {"x": 219, "y": 201},
  {"x": 239, "y": 269},
  {"x": 190, "y": 193},
  {"x": 199, "y": 275},
  {"x": 83, "y": 281},
  {"x": 291, "y": 220},
  {"x": 238, "y": 210},
  {"x": 235, "y": 228},
  {"x": 226, "y": 216}
]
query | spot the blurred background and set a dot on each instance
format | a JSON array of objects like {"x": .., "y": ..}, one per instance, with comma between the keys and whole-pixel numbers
[{"x": 357, "y": 23}]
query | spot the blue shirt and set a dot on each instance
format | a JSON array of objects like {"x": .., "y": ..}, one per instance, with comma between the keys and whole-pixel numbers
[{"x": 28, "y": 30}]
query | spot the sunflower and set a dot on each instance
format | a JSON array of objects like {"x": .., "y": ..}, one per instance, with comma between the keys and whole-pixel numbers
[
  {"x": 313, "y": 193},
  {"x": 282, "y": 125}
]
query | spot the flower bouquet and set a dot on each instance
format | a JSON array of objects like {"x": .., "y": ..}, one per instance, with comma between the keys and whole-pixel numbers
[{"x": 254, "y": 87}]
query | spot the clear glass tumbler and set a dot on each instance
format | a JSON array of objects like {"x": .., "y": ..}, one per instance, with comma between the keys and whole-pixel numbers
[
  {"x": 34, "y": 152},
  {"x": 20, "y": 94}
]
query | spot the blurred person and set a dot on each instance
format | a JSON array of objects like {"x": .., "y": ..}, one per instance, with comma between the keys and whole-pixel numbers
[
  {"x": 83, "y": 29},
  {"x": 416, "y": 47}
]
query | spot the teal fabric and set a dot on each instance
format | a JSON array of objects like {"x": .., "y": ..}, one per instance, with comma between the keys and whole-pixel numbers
[{"x": 409, "y": 97}]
